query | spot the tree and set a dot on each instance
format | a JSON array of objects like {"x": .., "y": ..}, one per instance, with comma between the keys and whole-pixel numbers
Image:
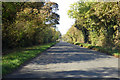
[
  {"x": 98, "y": 21},
  {"x": 24, "y": 24}
]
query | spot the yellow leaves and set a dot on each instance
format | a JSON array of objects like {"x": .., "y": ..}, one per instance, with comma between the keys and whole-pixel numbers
[
  {"x": 43, "y": 12},
  {"x": 115, "y": 27},
  {"x": 27, "y": 10},
  {"x": 86, "y": 16},
  {"x": 35, "y": 10},
  {"x": 102, "y": 20}
]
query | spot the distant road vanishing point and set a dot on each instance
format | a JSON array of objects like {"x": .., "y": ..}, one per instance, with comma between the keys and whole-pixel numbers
[{"x": 65, "y": 60}]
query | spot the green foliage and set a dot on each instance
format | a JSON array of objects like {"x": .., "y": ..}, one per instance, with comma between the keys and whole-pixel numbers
[
  {"x": 25, "y": 24},
  {"x": 99, "y": 48},
  {"x": 13, "y": 60},
  {"x": 98, "y": 22},
  {"x": 99, "y": 25},
  {"x": 73, "y": 35}
]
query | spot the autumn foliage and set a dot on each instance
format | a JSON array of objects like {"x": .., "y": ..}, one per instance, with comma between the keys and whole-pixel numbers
[{"x": 28, "y": 23}]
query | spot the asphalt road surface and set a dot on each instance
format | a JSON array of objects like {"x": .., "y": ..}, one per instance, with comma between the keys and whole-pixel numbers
[{"x": 65, "y": 60}]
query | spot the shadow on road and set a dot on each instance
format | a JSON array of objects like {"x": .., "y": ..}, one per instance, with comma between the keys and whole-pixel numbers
[
  {"x": 95, "y": 73},
  {"x": 65, "y": 60},
  {"x": 68, "y": 53}
]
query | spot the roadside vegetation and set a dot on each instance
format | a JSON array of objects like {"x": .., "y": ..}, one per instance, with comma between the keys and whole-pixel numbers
[
  {"x": 28, "y": 28},
  {"x": 109, "y": 51},
  {"x": 97, "y": 26},
  {"x": 28, "y": 23},
  {"x": 13, "y": 60}
]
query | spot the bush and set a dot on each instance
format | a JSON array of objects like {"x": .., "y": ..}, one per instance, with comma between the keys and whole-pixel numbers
[{"x": 109, "y": 51}]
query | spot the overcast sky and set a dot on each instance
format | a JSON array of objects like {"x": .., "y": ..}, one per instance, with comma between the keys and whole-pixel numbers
[{"x": 65, "y": 21}]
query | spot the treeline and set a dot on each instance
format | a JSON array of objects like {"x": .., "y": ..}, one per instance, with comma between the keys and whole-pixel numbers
[
  {"x": 97, "y": 23},
  {"x": 28, "y": 23}
]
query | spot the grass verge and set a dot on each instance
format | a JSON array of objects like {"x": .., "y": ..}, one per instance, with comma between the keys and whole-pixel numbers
[
  {"x": 13, "y": 60},
  {"x": 110, "y": 51}
]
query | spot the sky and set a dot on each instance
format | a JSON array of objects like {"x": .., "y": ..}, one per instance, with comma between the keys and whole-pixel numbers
[{"x": 65, "y": 21}]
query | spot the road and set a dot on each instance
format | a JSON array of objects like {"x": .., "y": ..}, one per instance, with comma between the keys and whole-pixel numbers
[{"x": 65, "y": 60}]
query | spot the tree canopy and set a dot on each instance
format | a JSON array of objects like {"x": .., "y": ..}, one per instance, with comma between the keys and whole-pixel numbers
[
  {"x": 99, "y": 22},
  {"x": 25, "y": 23}
]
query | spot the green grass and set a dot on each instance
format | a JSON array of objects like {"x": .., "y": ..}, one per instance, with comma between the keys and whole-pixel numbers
[
  {"x": 13, "y": 60},
  {"x": 99, "y": 48}
]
